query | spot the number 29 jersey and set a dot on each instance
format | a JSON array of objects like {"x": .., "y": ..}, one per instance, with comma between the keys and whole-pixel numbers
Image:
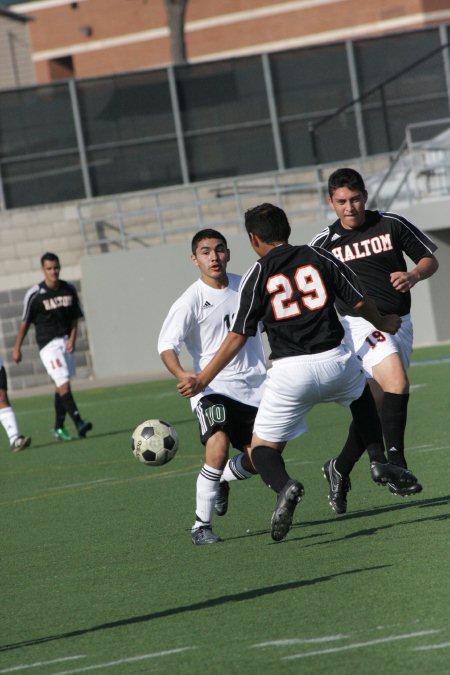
[
  {"x": 292, "y": 290},
  {"x": 200, "y": 319}
]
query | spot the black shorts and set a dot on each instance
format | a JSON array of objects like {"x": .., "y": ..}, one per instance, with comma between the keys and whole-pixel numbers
[
  {"x": 220, "y": 413},
  {"x": 3, "y": 379}
]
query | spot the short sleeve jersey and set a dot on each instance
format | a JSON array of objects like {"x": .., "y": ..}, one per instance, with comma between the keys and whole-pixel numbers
[
  {"x": 292, "y": 290},
  {"x": 51, "y": 310},
  {"x": 373, "y": 251},
  {"x": 200, "y": 319}
]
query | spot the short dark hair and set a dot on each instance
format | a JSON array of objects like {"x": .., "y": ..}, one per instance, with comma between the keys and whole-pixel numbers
[
  {"x": 208, "y": 233},
  {"x": 51, "y": 257},
  {"x": 348, "y": 178},
  {"x": 269, "y": 222}
]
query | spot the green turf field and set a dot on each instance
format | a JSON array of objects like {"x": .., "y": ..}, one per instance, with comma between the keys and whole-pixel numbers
[{"x": 98, "y": 572}]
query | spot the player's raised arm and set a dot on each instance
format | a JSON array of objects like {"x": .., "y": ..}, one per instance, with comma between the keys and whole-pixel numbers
[{"x": 232, "y": 344}]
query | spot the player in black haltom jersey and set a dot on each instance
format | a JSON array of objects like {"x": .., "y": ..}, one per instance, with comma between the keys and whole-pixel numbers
[
  {"x": 373, "y": 244},
  {"x": 54, "y": 309},
  {"x": 292, "y": 290}
]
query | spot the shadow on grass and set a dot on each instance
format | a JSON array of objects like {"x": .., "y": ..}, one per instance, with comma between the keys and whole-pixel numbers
[
  {"x": 422, "y": 503},
  {"x": 96, "y": 436},
  {"x": 198, "y": 606},
  {"x": 369, "y": 531},
  {"x": 377, "y": 510}
]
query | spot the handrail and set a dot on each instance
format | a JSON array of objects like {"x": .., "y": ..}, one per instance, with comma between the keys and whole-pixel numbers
[
  {"x": 400, "y": 152},
  {"x": 312, "y": 127}
]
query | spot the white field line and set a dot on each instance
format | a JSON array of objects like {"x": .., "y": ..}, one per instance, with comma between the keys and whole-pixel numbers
[
  {"x": 131, "y": 659},
  {"x": 433, "y": 449},
  {"x": 53, "y": 492},
  {"x": 41, "y": 663},
  {"x": 359, "y": 645},
  {"x": 442, "y": 645},
  {"x": 299, "y": 641},
  {"x": 74, "y": 485},
  {"x": 93, "y": 404}
]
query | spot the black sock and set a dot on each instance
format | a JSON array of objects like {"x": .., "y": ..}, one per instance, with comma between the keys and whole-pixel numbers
[
  {"x": 71, "y": 407},
  {"x": 270, "y": 465},
  {"x": 368, "y": 426},
  {"x": 393, "y": 417},
  {"x": 60, "y": 412},
  {"x": 350, "y": 453}
]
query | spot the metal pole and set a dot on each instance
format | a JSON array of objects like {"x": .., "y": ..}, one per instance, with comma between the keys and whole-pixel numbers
[
  {"x": 273, "y": 112},
  {"x": 177, "y": 123},
  {"x": 80, "y": 139},
  {"x": 443, "y": 34},
  {"x": 313, "y": 141},
  {"x": 2, "y": 193},
  {"x": 385, "y": 119},
  {"x": 357, "y": 107}
]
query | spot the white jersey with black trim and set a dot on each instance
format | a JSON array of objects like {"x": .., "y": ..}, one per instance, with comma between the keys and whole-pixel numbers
[{"x": 200, "y": 319}]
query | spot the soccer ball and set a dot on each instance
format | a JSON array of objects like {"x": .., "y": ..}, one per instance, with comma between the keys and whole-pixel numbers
[{"x": 154, "y": 442}]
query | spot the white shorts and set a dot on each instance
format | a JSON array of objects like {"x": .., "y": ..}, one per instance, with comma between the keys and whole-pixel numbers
[
  {"x": 372, "y": 346},
  {"x": 59, "y": 364},
  {"x": 295, "y": 384}
]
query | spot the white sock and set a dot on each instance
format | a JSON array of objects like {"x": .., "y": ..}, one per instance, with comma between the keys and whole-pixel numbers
[
  {"x": 207, "y": 487},
  {"x": 9, "y": 423},
  {"x": 234, "y": 469}
]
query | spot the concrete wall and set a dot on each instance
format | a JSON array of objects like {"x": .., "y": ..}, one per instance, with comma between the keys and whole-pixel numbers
[{"x": 16, "y": 66}]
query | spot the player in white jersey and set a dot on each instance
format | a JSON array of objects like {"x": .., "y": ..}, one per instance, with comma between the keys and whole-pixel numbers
[
  {"x": 8, "y": 418},
  {"x": 226, "y": 409}
]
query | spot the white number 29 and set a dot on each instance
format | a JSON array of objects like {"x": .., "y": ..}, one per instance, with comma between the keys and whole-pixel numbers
[{"x": 308, "y": 281}]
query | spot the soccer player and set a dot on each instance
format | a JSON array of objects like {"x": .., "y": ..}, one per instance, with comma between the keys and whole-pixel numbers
[
  {"x": 8, "y": 418},
  {"x": 54, "y": 309},
  {"x": 292, "y": 290},
  {"x": 372, "y": 244},
  {"x": 226, "y": 408}
]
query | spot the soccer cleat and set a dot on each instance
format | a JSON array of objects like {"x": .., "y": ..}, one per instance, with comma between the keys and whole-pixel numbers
[
  {"x": 21, "y": 443},
  {"x": 204, "y": 535},
  {"x": 83, "y": 428},
  {"x": 61, "y": 434},
  {"x": 221, "y": 505},
  {"x": 392, "y": 473},
  {"x": 287, "y": 500},
  {"x": 404, "y": 491},
  {"x": 339, "y": 486}
]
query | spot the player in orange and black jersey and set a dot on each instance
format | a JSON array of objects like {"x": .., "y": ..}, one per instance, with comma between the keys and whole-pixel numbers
[
  {"x": 54, "y": 309},
  {"x": 373, "y": 244}
]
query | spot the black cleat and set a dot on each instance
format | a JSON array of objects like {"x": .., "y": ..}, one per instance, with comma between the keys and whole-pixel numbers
[
  {"x": 83, "y": 428},
  {"x": 221, "y": 505},
  {"x": 287, "y": 500},
  {"x": 404, "y": 491},
  {"x": 204, "y": 535},
  {"x": 391, "y": 473},
  {"x": 339, "y": 486}
]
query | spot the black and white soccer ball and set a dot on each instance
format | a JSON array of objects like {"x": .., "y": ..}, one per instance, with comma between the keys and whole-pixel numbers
[{"x": 154, "y": 442}]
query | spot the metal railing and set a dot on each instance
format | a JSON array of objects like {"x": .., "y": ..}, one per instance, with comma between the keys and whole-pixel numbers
[{"x": 420, "y": 169}]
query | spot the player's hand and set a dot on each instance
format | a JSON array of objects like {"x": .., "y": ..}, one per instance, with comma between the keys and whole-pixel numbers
[
  {"x": 70, "y": 347},
  {"x": 389, "y": 323},
  {"x": 189, "y": 385},
  {"x": 17, "y": 356},
  {"x": 403, "y": 281}
]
